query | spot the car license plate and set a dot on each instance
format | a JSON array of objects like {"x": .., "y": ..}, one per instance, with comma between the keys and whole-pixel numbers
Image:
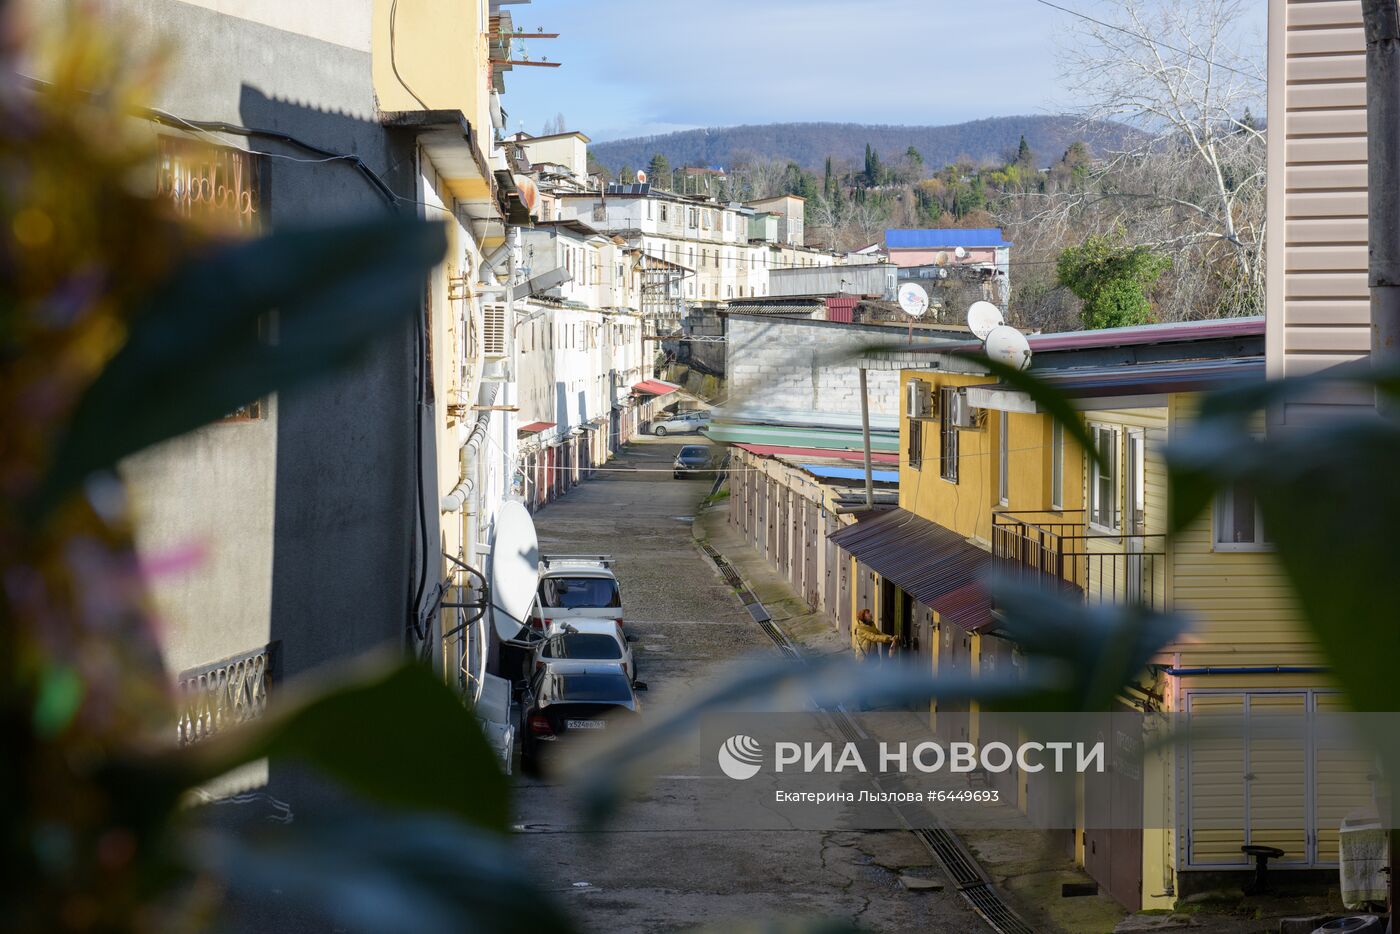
[{"x": 585, "y": 724}]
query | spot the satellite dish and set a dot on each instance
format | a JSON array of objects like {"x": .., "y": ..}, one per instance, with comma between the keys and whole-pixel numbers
[
  {"x": 942, "y": 273},
  {"x": 913, "y": 300},
  {"x": 941, "y": 259},
  {"x": 1008, "y": 345},
  {"x": 960, "y": 253},
  {"x": 982, "y": 317},
  {"x": 529, "y": 192},
  {"x": 515, "y": 569},
  {"x": 641, "y": 177}
]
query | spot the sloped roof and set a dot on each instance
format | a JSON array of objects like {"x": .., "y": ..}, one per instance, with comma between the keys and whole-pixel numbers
[{"x": 944, "y": 237}]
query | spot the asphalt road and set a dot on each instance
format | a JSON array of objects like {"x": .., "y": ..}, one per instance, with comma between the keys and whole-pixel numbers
[{"x": 655, "y": 867}]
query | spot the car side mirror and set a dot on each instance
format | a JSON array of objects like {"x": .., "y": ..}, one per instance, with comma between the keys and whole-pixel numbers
[{"x": 639, "y": 685}]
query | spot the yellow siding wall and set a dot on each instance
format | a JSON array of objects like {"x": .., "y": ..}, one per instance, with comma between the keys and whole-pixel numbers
[
  {"x": 1243, "y": 606},
  {"x": 965, "y": 506},
  {"x": 439, "y": 47}
]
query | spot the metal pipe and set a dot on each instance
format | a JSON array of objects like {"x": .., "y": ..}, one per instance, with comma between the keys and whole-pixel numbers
[
  {"x": 1382, "y": 22},
  {"x": 865, "y": 438},
  {"x": 1249, "y": 670}
]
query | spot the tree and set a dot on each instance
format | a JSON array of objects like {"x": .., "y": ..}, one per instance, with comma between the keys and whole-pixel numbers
[
  {"x": 1024, "y": 156},
  {"x": 556, "y": 125},
  {"x": 916, "y": 158},
  {"x": 1113, "y": 281},
  {"x": 627, "y": 175},
  {"x": 874, "y": 171},
  {"x": 659, "y": 172},
  {"x": 1186, "y": 74}
]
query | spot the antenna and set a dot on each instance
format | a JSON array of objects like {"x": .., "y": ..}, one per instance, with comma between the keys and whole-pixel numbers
[
  {"x": 1008, "y": 345},
  {"x": 982, "y": 318},
  {"x": 913, "y": 299},
  {"x": 514, "y": 574}
]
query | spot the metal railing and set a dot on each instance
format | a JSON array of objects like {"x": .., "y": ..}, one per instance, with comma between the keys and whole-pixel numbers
[
  {"x": 1059, "y": 551},
  {"x": 224, "y": 694}
]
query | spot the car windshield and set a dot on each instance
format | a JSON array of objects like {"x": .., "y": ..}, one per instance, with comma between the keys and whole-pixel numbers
[
  {"x": 579, "y": 592},
  {"x": 599, "y": 686},
  {"x": 591, "y": 645},
  {"x": 691, "y": 452}
]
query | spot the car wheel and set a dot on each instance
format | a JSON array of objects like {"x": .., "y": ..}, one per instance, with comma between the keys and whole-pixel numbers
[{"x": 659, "y": 431}]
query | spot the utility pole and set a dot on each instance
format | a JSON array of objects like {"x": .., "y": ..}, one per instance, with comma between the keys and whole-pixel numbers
[
  {"x": 865, "y": 437},
  {"x": 1382, "y": 22}
]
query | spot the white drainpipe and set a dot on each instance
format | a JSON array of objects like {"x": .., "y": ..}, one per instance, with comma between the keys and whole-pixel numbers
[{"x": 466, "y": 486}]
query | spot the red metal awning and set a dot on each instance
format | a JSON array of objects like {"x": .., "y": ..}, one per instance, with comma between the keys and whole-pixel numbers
[
  {"x": 654, "y": 387},
  {"x": 934, "y": 565},
  {"x": 534, "y": 428}
]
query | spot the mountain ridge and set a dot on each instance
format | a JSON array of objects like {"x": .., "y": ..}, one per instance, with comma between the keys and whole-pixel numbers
[{"x": 809, "y": 144}]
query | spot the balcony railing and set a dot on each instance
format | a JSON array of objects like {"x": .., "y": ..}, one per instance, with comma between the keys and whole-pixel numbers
[
  {"x": 224, "y": 694},
  {"x": 1057, "y": 550}
]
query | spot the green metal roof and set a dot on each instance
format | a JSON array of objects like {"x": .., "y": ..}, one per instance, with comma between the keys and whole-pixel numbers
[{"x": 838, "y": 439}]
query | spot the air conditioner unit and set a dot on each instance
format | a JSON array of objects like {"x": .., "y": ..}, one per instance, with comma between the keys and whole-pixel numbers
[
  {"x": 918, "y": 400},
  {"x": 493, "y": 331},
  {"x": 963, "y": 414}
]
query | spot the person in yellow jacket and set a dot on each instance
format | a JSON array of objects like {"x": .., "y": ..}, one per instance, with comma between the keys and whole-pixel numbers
[{"x": 865, "y": 636}]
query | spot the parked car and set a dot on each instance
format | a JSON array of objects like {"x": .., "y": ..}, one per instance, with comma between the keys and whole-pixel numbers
[
  {"x": 684, "y": 423},
  {"x": 691, "y": 460},
  {"x": 574, "y": 587},
  {"x": 581, "y": 701},
  {"x": 583, "y": 643}
]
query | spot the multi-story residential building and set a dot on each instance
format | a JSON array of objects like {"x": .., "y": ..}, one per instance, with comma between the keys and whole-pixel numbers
[{"x": 989, "y": 481}]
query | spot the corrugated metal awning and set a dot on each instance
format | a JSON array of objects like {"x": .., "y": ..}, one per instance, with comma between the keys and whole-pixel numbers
[
  {"x": 934, "y": 565},
  {"x": 654, "y": 387},
  {"x": 534, "y": 428}
]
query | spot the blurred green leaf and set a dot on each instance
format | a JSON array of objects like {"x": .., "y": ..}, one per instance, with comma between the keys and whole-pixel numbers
[
  {"x": 386, "y": 872},
  {"x": 194, "y": 353},
  {"x": 1096, "y": 648},
  {"x": 385, "y": 728}
]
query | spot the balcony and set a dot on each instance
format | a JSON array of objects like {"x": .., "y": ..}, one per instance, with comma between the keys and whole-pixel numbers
[{"x": 1059, "y": 551}]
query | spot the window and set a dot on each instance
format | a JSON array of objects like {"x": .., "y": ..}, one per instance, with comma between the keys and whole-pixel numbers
[
  {"x": 916, "y": 443},
  {"x": 1004, "y": 457},
  {"x": 1137, "y": 482},
  {"x": 650, "y": 207},
  {"x": 1238, "y": 524},
  {"x": 1103, "y": 479},
  {"x": 663, "y": 212},
  {"x": 1057, "y": 466},
  {"x": 948, "y": 435}
]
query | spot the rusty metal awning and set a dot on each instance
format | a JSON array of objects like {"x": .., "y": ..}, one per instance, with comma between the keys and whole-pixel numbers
[{"x": 936, "y": 566}]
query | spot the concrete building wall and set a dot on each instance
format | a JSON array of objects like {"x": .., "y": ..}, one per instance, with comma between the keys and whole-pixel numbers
[
  {"x": 797, "y": 365},
  {"x": 304, "y": 517}
]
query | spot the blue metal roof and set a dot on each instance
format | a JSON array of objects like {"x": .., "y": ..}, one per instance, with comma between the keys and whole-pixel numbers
[
  {"x": 822, "y": 471},
  {"x": 943, "y": 238}
]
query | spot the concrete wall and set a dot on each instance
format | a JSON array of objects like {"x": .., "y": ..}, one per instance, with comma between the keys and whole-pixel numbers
[{"x": 796, "y": 365}]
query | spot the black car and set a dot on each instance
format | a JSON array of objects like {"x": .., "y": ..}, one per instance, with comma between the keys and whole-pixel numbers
[
  {"x": 693, "y": 459},
  {"x": 573, "y": 701}
]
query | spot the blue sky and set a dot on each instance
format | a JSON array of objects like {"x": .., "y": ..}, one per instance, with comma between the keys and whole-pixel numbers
[{"x": 638, "y": 67}]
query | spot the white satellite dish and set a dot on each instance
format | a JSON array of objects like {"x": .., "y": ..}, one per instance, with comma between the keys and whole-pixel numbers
[
  {"x": 913, "y": 300},
  {"x": 959, "y": 252},
  {"x": 942, "y": 273},
  {"x": 515, "y": 569},
  {"x": 1008, "y": 345},
  {"x": 641, "y": 177},
  {"x": 982, "y": 317}
]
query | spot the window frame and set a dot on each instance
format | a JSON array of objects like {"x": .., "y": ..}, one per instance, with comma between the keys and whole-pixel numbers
[
  {"x": 1221, "y": 507},
  {"x": 1057, "y": 466},
  {"x": 1094, "y": 475},
  {"x": 948, "y": 447},
  {"x": 1004, "y": 458}
]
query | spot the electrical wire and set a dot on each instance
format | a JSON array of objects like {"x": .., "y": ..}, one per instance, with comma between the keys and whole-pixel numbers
[
  {"x": 1149, "y": 39},
  {"x": 393, "y": 57}
]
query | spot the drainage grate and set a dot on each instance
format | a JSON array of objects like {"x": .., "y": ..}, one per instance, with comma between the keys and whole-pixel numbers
[{"x": 956, "y": 861}]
